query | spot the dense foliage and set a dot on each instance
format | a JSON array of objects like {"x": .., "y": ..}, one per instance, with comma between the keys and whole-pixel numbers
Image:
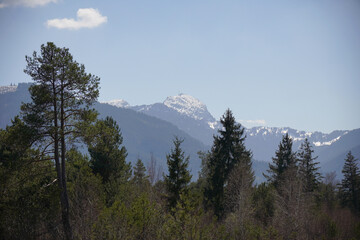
[
  {"x": 228, "y": 153},
  {"x": 110, "y": 199},
  {"x": 179, "y": 177}
]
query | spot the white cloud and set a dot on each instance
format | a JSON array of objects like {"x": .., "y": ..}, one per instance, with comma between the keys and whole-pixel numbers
[
  {"x": 259, "y": 122},
  {"x": 25, "y": 3},
  {"x": 86, "y": 18}
]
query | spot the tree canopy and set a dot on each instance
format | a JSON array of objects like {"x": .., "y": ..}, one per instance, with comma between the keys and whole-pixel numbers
[{"x": 61, "y": 97}]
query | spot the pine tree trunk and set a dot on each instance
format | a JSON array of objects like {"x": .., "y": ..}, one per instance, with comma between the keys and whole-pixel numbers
[
  {"x": 64, "y": 196},
  {"x": 60, "y": 173},
  {"x": 56, "y": 142}
]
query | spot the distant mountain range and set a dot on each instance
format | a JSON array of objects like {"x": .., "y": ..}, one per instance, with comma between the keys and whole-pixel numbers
[
  {"x": 149, "y": 129},
  {"x": 192, "y": 116}
]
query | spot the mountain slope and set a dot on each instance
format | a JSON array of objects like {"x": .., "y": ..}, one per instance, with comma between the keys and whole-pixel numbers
[
  {"x": 264, "y": 141},
  {"x": 332, "y": 157},
  {"x": 186, "y": 112},
  {"x": 10, "y": 102},
  {"x": 143, "y": 135}
]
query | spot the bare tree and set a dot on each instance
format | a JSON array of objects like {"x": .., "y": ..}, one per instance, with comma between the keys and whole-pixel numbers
[{"x": 154, "y": 170}]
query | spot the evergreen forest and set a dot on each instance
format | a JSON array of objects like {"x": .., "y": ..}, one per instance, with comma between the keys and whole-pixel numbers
[{"x": 50, "y": 189}]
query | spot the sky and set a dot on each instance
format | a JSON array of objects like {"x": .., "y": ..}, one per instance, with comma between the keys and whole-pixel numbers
[{"x": 273, "y": 63}]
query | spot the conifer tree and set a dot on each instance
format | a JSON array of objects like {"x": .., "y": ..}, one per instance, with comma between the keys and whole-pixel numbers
[
  {"x": 284, "y": 160},
  {"x": 227, "y": 152},
  {"x": 307, "y": 167},
  {"x": 61, "y": 97},
  {"x": 139, "y": 173},
  {"x": 108, "y": 157},
  {"x": 350, "y": 185},
  {"x": 179, "y": 177}
]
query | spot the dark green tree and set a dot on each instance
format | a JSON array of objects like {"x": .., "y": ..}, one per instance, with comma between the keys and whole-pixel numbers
[
  {"x": 309, "y": 172},
  {"x": 285, "y": 159},
  {"x": 28, "y": 192},
  {"x": 108, "y": 157},
  {"x": 227, "y": 152},
  {"x": 350, "y": 185},
  {"x": 61, "y": 97},
  {"x": 140, "y": 173},
  {"x": 179, "y": 177}
]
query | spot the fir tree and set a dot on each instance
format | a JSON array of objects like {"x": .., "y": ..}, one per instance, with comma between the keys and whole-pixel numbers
[
  {"x": 350, "y": 185},
  {"x": 139, "y": 173},
  {"x": 179, "y": 177},
  {"x": 60, "y": 103},
  {"x": 284, "y": 160},
  {"x": 307, "y": 167},
  {"x": 227, "y": 152}
]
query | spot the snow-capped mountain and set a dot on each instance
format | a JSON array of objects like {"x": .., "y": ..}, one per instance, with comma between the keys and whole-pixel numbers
[
  {"x": 185, "y": 105},
  {"x": 186, "y": 112},
  {"x": 318, "y": 139},
  {"x": 191, "y": 115},
  {"x": 269, "y": 138},
  {"x": 189, "y": 106},
  {"x": 120, "y": 103}
]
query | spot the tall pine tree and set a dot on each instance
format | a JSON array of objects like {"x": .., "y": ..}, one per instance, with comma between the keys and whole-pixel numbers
[
  {"x": 61, "y": 97},
  {"x": 179, "y": 177},
  {"x": 350, "y": 185},
  {"x": 307, "y": 167},
  {"x": 284, "y": 160},
  {"x": 228, "y": 151}
]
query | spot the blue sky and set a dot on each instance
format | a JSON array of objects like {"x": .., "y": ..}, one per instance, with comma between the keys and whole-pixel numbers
[{"x": 275, "y": 63}]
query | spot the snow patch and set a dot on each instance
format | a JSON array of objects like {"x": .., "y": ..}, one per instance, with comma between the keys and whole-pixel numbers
[
  {"x": 308, "y": 134},
  {"x": 319, "y": 144},
  {"x": 295, "y": 139},
  {"x": 120, "y": 103},
  {"x": 186, "y": 105},
  {"x": 284, "y": 131},
  {"x": 213, "y": 125}
]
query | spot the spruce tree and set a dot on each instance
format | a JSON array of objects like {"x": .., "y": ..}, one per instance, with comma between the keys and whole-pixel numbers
[
  {"x": 350, "y": 184},
  {"x": 284, "y": 160},
  {"x": 179, "y": 177},
  {"x": 61, "y": 97},
  {"x": 307, "y": 167},
  {"x": 139, "y": 173},
  {"x": 227, "y": 152}
]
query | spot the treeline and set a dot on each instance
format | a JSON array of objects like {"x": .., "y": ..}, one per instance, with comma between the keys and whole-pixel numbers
[{"x": 51, "y": 190}]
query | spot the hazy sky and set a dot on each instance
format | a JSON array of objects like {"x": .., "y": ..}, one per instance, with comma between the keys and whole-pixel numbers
[{"x": 275, "y": 63}]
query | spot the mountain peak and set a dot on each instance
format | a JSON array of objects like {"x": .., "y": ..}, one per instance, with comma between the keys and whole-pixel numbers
[
  {"x": 187, "y": 105},
  {"x": 120, "y": 103}
]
